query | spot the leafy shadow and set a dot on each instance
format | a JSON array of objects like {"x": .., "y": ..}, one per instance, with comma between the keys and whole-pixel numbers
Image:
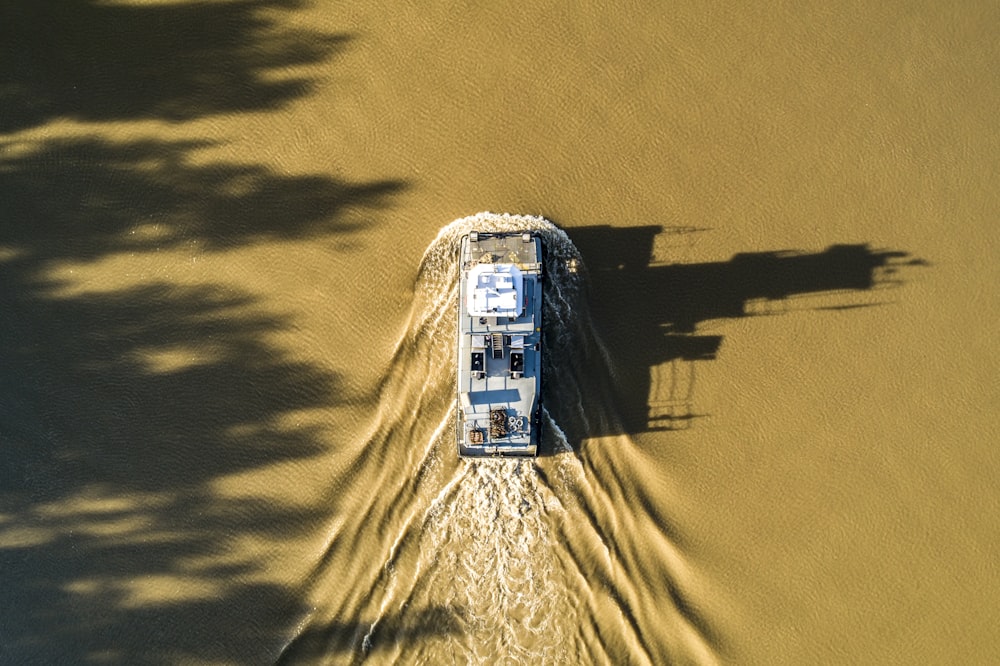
[
  {"x": 127, "y": 414},
  {"x": 357, "y": 642},
  {"x": 119, "y": 413},
  {"x": 85, "y": 198},
  {"x": 103, "y": 61}
]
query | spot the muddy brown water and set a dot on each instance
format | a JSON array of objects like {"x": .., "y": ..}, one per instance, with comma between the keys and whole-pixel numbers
[{"x": 226, "y": 332}]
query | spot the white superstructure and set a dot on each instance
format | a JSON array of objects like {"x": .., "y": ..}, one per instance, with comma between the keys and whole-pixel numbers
[{"x": 495, "y": 290}]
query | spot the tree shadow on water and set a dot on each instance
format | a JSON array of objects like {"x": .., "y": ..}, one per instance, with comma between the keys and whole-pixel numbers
[
  {"x": 84, "y": 198},
  {"x": 104, "y": 61},
  {"x": 125, "y": 411},
  {"x": 359, "y": 641},
  {"x": 654, "y": 313},
  {"x": 119, "y": 413}
]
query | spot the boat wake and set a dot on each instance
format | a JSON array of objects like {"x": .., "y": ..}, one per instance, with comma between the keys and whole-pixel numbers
[{"x": 487, "y": 560}]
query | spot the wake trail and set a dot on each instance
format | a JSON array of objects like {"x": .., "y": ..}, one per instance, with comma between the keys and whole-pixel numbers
[{"x": 485, "y": 560}]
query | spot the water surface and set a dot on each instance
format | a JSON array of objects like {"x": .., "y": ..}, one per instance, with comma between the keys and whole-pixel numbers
[{"x": 227, "y": 327}]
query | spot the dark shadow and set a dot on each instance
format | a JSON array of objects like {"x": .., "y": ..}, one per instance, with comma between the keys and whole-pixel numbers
[
  {"x": 363, "y": 640},
  {"x": 81, "y": 199},
  {"x": 118, "y": 412},
  {"x": 101, "y": 61},
  {"x": 123, "y": 411},
  {"x": 652, "y": 314}
]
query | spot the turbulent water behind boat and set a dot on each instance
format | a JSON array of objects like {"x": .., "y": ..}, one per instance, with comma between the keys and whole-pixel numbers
[{"x": 493, "y": 560}]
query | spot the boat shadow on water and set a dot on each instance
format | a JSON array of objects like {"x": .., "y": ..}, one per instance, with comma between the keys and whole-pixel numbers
[{"x": 655, "y": 317}]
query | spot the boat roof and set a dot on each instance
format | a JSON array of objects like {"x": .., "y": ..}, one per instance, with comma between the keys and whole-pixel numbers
[{"x": 494, "y": 290}]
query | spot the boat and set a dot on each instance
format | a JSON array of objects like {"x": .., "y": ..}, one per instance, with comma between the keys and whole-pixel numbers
[{"x": 499, "y": 343}]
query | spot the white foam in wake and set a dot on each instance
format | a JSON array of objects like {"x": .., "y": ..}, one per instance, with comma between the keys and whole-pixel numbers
[{"x": 492, "y": 561}]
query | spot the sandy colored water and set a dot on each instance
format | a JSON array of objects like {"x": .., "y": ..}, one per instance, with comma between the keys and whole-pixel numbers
[{"x": 225, "y": 334}]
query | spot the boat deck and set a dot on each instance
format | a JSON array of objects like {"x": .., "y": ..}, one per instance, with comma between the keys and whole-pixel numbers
[{"x": 499, "y": 357}]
